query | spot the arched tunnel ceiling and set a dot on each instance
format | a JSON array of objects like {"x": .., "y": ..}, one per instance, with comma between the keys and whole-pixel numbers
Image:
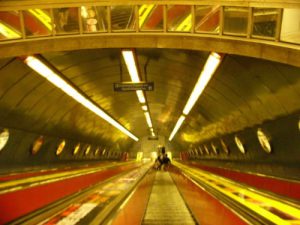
[{"x": 243, "y": 92}]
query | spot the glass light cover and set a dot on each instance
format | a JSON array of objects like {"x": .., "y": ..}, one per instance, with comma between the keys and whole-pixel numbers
[
  {"x": 4, "y": 136},
  {"x": 239, "y": 144},
  {"x": 37, "y": 145},
  {"x": 264, "y": 141},
  {"x": 60, "y": 147}
]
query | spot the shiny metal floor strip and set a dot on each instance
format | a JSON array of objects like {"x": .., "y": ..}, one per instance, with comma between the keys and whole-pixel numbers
[{"x": 166, "y": 205}]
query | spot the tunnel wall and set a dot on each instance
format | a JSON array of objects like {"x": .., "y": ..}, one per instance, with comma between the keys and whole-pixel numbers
[
  {"x": 283, "y": 161},
  {"x": 17, "y": 152}
]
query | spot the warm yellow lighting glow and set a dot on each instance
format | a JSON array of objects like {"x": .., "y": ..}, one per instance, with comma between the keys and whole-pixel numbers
[
  {"x": 153, "y": 156},
  {"x": 139, "y": 156},
  {"x": 42, "y": 16},
  {"x": 141, "y": 97},
  {"x": 148, "y": 119},
  {"x": 144, "y": 107},
  {"x": 144, "y": 12},
  {"x": 51, "y": 76},
  {"x": 133, "y": 72},
  {"x": 177, "y": 126},
  {"x": 207, "y": 72},
  {"x": 169, "y": 155},
  {"x": 265, "y": 206},
  {"x": 130, "y": 62},
  {"x": 8, "y": 32},
  {"x": 210, "y": 67},
  {"x": 84, "y": 12},
  {"x": 131, "y": 66}
]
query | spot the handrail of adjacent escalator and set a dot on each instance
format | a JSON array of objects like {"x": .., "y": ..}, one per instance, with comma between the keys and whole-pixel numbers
[{"x": 59, "y": 205}]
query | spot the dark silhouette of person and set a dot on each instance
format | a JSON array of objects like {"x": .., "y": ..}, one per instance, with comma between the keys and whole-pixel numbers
[{"x": 162, "y": 160}]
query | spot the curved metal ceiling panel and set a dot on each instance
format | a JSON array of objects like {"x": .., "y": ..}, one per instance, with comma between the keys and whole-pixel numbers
[
  {"x": 253, "y": 91},
  {"x": 243, "y": 92}
]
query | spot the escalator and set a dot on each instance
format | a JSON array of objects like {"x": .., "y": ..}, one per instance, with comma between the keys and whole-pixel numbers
[
  {"x": 166, "y": 205},
  {"x": 184, "y": 195}
]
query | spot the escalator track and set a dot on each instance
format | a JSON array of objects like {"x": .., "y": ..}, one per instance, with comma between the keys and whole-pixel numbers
[{"x": 166, "y": 206}]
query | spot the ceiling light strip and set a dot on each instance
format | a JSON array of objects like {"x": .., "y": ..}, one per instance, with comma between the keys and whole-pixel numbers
[
  {"x": 210, "y": 67},
  {"x": 130, "y": 62},
  {"x": 177, "y": 126},
  {"x": 148, "y": 119},
  {"x": 131, "y": 65},
  {"x": 144, "y": 108},
  {"x": 206, "y": 74},
  {"x": 141, "y": 97},
  {"x": 42, "y": 69},
  {"x": 133, "y": 72}
]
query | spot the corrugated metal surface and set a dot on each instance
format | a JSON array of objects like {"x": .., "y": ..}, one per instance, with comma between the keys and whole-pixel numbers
[{"x": 166, "y": 205}]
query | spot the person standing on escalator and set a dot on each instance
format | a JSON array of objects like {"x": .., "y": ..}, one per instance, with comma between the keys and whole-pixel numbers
[
  {"x": 166, "y": 162},
  {"x": 163, "y": 160}
]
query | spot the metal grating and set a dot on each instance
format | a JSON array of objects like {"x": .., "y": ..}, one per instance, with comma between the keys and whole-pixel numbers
[{"x": 166, "y": 205}]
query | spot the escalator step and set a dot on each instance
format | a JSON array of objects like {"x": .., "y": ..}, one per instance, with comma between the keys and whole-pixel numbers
[{"x": 166, "y": 205}]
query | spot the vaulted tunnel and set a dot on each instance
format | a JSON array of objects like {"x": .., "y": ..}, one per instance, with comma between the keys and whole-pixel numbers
[
  {"x": 245, "y": 125},
  {"x": 244, "y": 94}
]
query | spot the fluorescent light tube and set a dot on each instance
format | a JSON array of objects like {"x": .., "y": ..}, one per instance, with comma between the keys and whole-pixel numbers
[
  {"x": 51, "y": 76},
  {"x": 210, "y": 67},
  {"x": 148, "y": 119},
  {"x": 207, "y": 72},
  {"x": 133, "y": 72},
  {"x": 177, "y": 126},
  {"x": 144, "y": 107},
  {"x": 141, "y": 97},
  {"x": 84, "y": 12},
  {"x": 130, "y": 62},
  {"x": 131, "y": 65}
]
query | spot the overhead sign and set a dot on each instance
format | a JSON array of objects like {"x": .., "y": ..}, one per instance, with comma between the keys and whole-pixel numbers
[{"x": 131, "y": 86}]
